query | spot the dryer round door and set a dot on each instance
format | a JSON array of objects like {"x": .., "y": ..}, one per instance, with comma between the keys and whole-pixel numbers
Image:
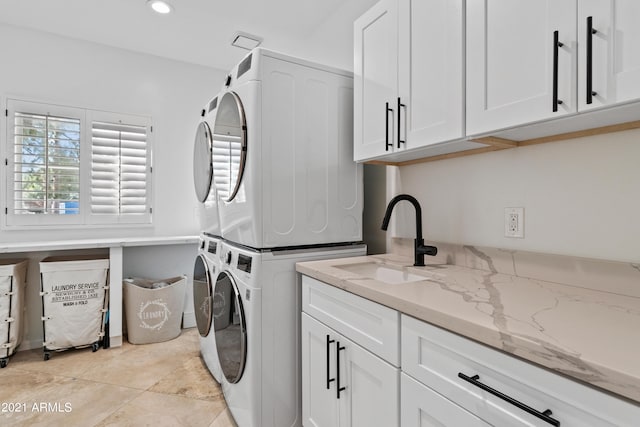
[
  {"x": 203, "y": 161},
  {"x": 229, "y": 146},
  {"x": 202, "y": 295},
  {"x": 230, "y": 329}
]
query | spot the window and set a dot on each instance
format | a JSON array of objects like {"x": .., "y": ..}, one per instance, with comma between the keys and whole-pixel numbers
[
  {"x": 71, "y": 166},
  {"x": 47, "y": 164},
  {"x": 118, "y": 169}
]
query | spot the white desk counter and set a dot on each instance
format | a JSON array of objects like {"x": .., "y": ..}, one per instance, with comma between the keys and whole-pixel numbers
[{"x": 115, "y": 247}]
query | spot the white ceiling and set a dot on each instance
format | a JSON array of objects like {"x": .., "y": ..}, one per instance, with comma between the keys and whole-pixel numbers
[{"x": 198, "y": 31}]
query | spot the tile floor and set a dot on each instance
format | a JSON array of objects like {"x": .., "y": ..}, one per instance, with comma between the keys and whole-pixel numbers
[{"x": 162, "y": 384}]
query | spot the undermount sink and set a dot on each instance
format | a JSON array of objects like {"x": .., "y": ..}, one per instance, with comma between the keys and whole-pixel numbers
[{"x": 384, "y": 273}]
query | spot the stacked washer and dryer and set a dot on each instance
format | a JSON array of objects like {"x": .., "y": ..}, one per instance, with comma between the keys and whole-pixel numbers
[{"x": 277, "y": 184}]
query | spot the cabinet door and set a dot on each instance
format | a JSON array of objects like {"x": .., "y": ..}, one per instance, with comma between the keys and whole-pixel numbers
[
  {"x": 609, "y": 56},
  {"x": 423, "y": 407},
  {"x": 430, "y": 67},
  {"x": 319, "y": 404},
  {"x": 375, "y": 79},
  {"x": 372, "y": 390},
  {"x": 510, "y": 62}
]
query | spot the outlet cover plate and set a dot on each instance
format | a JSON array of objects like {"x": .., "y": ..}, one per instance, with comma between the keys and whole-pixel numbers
[{"x": 514, "y": 222}]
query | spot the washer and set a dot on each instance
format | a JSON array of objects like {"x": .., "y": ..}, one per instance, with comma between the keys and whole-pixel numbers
[
  {"x": 285, "y": 175},
  {"x": 206, "y": 302},
  {"x": 203, "y": 167},
  {"x": 258, "y": 343}
]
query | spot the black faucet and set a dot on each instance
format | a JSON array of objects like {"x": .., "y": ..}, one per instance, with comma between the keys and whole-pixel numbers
[{"x": 420, "y": 250}]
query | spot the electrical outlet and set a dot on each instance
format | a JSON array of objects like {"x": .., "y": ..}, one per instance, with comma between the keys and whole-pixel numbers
[{"x": 514, "y": 222}]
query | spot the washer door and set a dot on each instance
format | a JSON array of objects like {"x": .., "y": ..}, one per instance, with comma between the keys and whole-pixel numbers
[
  {"x": 230, "y": 329},
  {"x": 229, "y": 146},
  {"x": 202, "y": 295},
  {"x": 203, "y": 161}
]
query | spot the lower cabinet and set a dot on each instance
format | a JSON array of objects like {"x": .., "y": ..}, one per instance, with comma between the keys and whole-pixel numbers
[
  {"x": 423, "y": 407},
  {"x": 351, "y": 375},
  {"x": 343, "y": 384}
]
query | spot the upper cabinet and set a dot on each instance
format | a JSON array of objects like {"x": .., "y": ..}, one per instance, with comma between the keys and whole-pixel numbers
[
  {"x": 521, "y": 62},
  {"x": 608, "y": 52},
  {"x": 409, "y": 78},
  {"x": 434, "y": 77},
  {"x": 375, "y": 79},
  {"x": 532, "y": 61}
]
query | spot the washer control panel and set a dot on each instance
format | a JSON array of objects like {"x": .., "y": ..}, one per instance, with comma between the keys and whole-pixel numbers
[{"x": 244, "y": 263}]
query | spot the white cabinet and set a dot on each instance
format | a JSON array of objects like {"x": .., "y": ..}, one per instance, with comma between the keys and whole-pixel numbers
[
  {"x": 375, "y": 79},
  {"x": 319, "y": 402},
  {"x": 516, "y": 70},
  {"x": 343, "y": 383},
  {"x": 431, "y": 72},
  {"x": 423, "y": 407},
  {"x": 500, "y": 389},
  {"x": 409, "y": 79},
  {"x": 364, "y": 364},
  {"x": 609, "y": 55},
  {"x": 519, "y": 73}
]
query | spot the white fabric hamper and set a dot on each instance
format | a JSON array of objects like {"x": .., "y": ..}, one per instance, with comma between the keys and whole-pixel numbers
[
  {"x": 13, "y": 278},
  {"x": 154, "y": 315},
  {"x": 74, "y": 301}
]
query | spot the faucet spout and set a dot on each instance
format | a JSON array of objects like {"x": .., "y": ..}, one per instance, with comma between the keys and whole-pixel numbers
[
  {"x": 416, "y": 205},
  {"x": 419, "y": 249}
]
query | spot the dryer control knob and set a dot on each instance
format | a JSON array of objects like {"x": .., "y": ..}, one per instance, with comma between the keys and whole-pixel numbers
[{"x": 229, "y": 254}]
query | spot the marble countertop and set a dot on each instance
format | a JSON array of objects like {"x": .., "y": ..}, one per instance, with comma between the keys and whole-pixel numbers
[{"x": 590, "y": 335}]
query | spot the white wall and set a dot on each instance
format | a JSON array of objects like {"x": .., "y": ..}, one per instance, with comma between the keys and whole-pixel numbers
[
  {"x": 581, "y": 197},
  {"x": 332, "y": 42},
  {"x": 55, "y": 69}
]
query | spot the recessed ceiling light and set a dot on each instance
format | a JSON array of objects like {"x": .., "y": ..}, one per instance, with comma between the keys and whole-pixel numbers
[
  {"x": 160, "y": 6},
  {"x": 245, "y": 40}
]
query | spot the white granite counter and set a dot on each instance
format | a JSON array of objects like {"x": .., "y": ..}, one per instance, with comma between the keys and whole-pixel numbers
[{"x": 587, "y": 334}]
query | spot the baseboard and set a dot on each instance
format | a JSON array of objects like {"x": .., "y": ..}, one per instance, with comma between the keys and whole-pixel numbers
[{"x": 188, "y": 320}]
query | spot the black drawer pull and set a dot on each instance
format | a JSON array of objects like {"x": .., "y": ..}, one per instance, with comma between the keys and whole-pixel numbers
[
  {"x": 556, "y": 44},
  {"x": 545, "y": 415},
  {"x": 400, "y": 105},
  {"x": 590, "y": 32},
  {"x": 329, "y": 342},
  {"x": 338, "y": 388},
  {"x": 387, "y": 144}
]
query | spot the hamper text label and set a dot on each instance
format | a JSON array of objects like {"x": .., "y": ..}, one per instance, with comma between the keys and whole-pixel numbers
[{"x": 74, "y": 292}]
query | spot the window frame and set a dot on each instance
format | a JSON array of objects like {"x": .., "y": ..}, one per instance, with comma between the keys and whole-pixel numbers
[{"x": 85, "y": 218}]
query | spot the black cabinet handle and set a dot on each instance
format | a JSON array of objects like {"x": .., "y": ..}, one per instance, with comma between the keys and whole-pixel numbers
[
  {"x": 400, "y": 105},
  {"x": 329, "y": 342},
  {"x": 556, "y": 45},
  {"x": 386, "y": 127},
  {"x": 338, "y": 388},
  {"x": 590, "y": 32},
  {"x": 545, "y": 415}
]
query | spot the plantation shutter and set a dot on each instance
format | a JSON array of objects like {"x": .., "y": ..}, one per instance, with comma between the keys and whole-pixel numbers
[
  {"x": 119, "y": 165},
  {"x": 46, "y": 159},
  {"x": 222, "y": 166}
]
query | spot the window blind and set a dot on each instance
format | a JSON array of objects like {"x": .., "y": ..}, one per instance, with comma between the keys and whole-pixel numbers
[
  {"x": 227, "y": 150},
  {"x": 118, "y": 169},
  {"x": 46, "y": 164}
]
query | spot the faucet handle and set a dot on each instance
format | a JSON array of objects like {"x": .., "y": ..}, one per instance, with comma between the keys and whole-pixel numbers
[{"x": 428, "y": 250}]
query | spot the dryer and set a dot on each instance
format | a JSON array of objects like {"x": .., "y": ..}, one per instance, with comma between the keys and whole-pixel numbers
[
  {"x": 208, "y": 305},
  {"x": 259, "y": 343},
  {"x": 285, "y": 174},
  {"x": 203, "y": 171}
]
